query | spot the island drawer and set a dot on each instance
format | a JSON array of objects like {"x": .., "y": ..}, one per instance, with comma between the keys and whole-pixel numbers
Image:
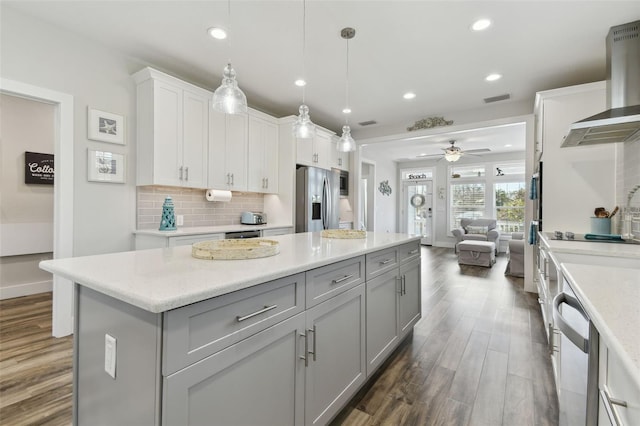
[
  {"x": 193, "y": 332},
  {"x": 408, "y": 252},
  {"x": 381, "y": 261},
  {"x": 327, "y": 281}
]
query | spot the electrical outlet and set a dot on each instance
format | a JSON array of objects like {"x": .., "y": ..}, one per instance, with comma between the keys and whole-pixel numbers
[
  {"x": 180, "y": 220},
  {"x": 110, "y": 355}
]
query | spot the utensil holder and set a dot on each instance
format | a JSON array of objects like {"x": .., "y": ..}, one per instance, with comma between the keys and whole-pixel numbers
[{"x": 601, "y": 225}]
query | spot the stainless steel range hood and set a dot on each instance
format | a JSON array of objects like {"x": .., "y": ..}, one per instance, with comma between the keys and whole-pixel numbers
[{"x": 621, "y": 122}]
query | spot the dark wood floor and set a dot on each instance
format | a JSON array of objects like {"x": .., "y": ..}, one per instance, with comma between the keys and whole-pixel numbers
[
  {"x": 35, "y": 368},
  {"x": 477, "y": 357}
]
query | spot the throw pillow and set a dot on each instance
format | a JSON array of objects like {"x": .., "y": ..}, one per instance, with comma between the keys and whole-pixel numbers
[{"x": 475, "y": 229}]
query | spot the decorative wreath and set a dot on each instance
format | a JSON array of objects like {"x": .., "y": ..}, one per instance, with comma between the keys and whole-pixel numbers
[{"x": 417, "y": 200}]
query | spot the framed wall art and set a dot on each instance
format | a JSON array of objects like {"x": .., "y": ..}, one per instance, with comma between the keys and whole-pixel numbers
[
  {"x": 105, "y": 127},
  {"x": 105, "y": 166}
]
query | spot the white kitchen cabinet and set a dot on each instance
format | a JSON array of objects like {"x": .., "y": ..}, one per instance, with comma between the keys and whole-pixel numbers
[
  {"x": 277, "y": 231},
  {"x": 258, "y": 381},
  {"x": 336, "y": 354},
  {"x": 619, "y": 394},
  {"x": 228, "y": 141},
  {"x": 172, "y": 129},
  {"x": 315, "y": 152},
  {"x": 148, "y": 241},
  {"x": 339, "y": 160},
  {"x": 262, "y": 169}
]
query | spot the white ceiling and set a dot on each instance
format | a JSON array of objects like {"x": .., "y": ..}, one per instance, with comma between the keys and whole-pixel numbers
[{"x": 422, "y": 46}]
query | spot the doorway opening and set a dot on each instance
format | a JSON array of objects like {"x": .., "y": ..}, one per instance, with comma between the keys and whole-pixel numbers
[{"x": 62, "y": 323}]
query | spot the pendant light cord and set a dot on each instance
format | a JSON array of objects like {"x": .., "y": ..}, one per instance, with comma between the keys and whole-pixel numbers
[
  {"x": 347, "y": 85},
  {"x": 229, "y": 32},
  {"x": 304, "y": 44}
]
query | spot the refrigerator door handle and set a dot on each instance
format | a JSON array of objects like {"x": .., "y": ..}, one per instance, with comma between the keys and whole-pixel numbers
[{"x": 325, "y": 202}]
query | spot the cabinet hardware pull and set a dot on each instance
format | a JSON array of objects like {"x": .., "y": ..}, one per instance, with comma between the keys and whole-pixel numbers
[
  {"x": 384, "y": 262},
  {"x": 261, "y": 311},
  {"x": 610, "y": 409},
  {"x": 339, "y": 280},
  {"x": 313, "y": 330},
  {"x": 227, "y": 178},
  {"x": 339, "y": 161},
  {"x": 404, "y": 284},
  {"x": 180, "y": 172},
  {"x": 267, "y": 181},
  {"x": 414, "y": 251},
  {"x": 263, "y": 183},
  {"x": 306, "y": 348},
  {"x": 399, "y": 280},
  {"x": 232, "y": 179},
  {"x": 186, "y": 173}
]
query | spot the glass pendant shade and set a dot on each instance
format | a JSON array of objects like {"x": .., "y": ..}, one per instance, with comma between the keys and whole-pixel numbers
[
  {"x": 228, "y": 98},
  {"x": 303, "y": 128},
  {"x": 346, "y": 142},
  {"x": 452, "y": 156}
]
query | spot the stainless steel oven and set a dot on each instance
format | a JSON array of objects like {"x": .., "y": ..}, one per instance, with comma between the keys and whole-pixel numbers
[
  {"x": 344, "y": 182},
  {"x": 578, "y": 347}
]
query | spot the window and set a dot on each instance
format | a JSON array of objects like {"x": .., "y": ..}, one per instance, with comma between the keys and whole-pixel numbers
[
  {"x": 468, "y": 201},
  {"x": 492, "y": 190},
  {"x": 510, "y": 206}
]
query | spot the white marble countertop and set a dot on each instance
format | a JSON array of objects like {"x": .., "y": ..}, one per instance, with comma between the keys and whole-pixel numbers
[
  {"x": 158, "y": 280},
  {"x": 591, "y": 248},
  {"x": 611, "y": 297},
  {"x": 196, "y": 230}
]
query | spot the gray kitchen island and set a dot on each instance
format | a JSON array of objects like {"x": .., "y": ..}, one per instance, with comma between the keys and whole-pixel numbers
[{"x": 163, "y": 338}]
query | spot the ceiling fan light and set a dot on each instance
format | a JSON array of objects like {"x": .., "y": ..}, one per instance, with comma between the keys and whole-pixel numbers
[
  {"x": 303, "y": 128},
  {"x": 228, "y": 98},
  {"x": 452, "y": 156},
  {"x": 346, "y": 143}
]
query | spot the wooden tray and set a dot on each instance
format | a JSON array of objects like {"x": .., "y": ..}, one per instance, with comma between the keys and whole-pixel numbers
[
  {"x": 343, "y": 233},
  {"x": 235, "y": 249}
]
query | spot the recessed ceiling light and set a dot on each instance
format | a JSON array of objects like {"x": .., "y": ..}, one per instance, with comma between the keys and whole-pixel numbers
[
  {"x": 346, "y": 110},
  {"x": 493, "y": 77},
  {"x": 300, "y": 82},
  {"x": 508, "y": 145},
  {"x": 218, "y": 33},
  {"x": 481, "y": 24},
  {"x": 409, "y": 95}
]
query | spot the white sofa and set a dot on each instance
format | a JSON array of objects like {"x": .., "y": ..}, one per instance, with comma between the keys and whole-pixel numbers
[{"x": 477, "y": 229}]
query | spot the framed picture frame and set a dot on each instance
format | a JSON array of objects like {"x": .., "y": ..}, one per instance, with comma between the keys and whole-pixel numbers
[
  {"x": 103, "y": 166},
  {"x": 105, "y": 126}
]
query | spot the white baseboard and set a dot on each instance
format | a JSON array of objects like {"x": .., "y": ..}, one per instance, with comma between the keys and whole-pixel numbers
[{"x": 25, "y": 289}]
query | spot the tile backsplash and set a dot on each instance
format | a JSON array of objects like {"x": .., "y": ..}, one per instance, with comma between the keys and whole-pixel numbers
[{"x": 192, "y": 204}]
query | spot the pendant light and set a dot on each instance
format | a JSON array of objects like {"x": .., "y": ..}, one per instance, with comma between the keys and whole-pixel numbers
[
  {"x": 303, "y": 128},
  {"x": 346, "y": 142},
  {"x": 228, "y": 98}
]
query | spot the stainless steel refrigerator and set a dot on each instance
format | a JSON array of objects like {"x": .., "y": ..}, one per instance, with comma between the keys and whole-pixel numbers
[{"x": 317, "y": 195}]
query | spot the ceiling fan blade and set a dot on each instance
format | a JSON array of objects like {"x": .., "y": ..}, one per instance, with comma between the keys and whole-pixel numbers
[
  {"x": 429, "y": 155},
  {"x": 476, "y": 151}
]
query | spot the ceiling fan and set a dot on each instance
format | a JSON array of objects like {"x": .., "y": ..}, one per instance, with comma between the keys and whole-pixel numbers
[{"x": 453, "y": 152}]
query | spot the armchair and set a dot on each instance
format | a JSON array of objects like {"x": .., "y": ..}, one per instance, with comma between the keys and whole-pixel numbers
[
  {"x": 515, "y": 266},
  {"x": 477, "y": 229}
]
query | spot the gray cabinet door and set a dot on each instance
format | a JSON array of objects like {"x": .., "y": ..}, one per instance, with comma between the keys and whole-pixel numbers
[
  {"x": 410, "y": 296},
  {"x": 258, "y": 381},
  {"x": 336, "y": 356},
  {"x": 382, "y": 318}
]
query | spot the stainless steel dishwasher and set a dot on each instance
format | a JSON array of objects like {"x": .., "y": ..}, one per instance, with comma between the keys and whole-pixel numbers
[
  {"x": 578, "y": 360},
  {"x": 241, "y": 234}
]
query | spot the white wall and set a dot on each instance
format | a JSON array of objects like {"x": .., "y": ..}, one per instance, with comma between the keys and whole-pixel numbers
[
  {"x": 385, "y": 205},
  {"x": 42, "y": 55}
]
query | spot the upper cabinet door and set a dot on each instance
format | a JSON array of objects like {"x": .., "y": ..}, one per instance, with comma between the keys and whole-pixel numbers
[
  {"x": 217, "y": 172},
  {"x": 165, "y": 137},
  {"x": 195, "y": 140},
  {"x": 236, "y": 155},
  {"x": 262, "y": 169},
  {"x": 315, "y": 152}
]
